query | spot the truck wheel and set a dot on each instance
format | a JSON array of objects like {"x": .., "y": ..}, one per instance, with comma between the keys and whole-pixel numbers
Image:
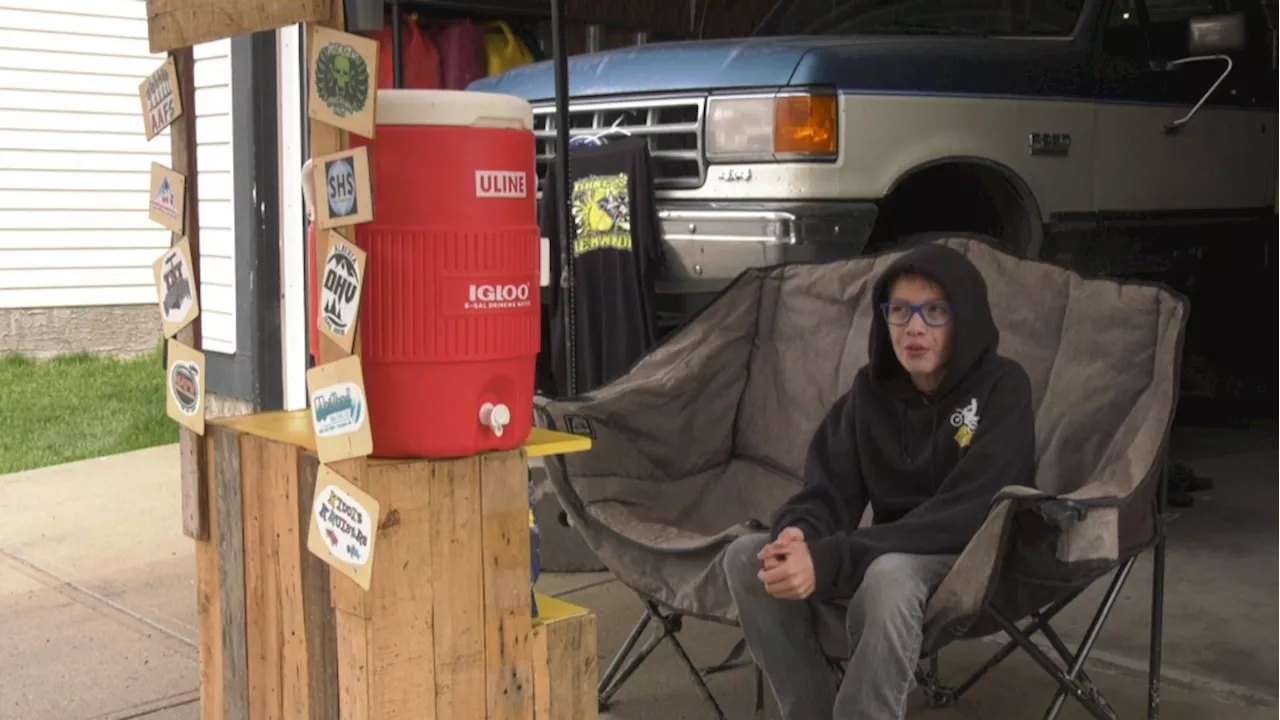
[{"x": 960, "y": 196}]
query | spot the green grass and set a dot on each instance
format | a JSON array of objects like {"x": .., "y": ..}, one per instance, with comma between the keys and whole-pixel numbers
[{"x": 79, "y": 406}]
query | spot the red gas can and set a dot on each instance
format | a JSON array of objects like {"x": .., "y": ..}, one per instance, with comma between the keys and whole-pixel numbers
[{"x": 449, "y": 322}]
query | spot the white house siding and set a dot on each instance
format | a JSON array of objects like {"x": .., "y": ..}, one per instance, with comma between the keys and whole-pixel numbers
[{"x": 76, "y": 243}]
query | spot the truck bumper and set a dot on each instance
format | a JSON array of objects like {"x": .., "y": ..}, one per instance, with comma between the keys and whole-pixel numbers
[{"x": 707, "y": 244}]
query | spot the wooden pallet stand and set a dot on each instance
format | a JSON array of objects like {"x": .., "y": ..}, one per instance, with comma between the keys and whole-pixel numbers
[
  {"x": 434, "y": 623},
  {"x": 444, "y": 630}
]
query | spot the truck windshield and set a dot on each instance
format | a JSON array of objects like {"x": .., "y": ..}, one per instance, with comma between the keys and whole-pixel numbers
[{"x": 934, "y": 17}]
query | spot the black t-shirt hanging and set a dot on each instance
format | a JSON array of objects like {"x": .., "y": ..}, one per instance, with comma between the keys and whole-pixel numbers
[{"x": 617, "y": 255}]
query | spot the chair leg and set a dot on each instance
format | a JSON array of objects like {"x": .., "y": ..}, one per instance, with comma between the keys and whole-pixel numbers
[
  {"x": 670, "y": 634},
  {"x": 1084, "y": 692},
  {"x": 615, "y": 665},
  {"x": 1086, "y": 646},
  {"x": 759, "y": 692},
  {"x": 622, "y": 666},
  {"x": 1157, "y": 599},
  {"x": 1039, "y": 624}
]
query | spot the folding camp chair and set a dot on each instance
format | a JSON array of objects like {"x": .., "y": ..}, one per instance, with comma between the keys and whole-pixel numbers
[{"x": 705, "y": 437}]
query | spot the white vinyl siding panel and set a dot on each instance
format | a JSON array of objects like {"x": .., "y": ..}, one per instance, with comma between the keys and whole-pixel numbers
[{"x": 75, "y": 162}]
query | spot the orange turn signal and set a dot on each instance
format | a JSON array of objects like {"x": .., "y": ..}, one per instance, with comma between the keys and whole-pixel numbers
[{"x": 805, "y": 125}]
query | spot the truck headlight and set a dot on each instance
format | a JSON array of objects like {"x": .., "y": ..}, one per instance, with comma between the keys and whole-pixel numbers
[{"x": 785, "y": 126}]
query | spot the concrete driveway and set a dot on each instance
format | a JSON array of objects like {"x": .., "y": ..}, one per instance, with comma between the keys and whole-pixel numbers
[{"x": 97, "y": 606}]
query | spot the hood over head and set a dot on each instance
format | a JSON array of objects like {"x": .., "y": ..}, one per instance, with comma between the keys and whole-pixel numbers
[{"x": 974, "y": 333}]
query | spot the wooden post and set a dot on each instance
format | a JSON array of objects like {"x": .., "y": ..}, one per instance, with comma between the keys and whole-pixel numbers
[
  {"x": 182, "y": 138},
  {"x": 326, "y": 140},
  {"x": 445, "y": 629}
]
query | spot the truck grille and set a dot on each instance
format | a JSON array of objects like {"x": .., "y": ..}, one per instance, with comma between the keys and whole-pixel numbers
[{"x": 673, "y": 127}]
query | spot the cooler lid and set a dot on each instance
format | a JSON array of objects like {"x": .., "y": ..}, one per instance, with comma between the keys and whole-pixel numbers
[{"x": 456, "y": 108}]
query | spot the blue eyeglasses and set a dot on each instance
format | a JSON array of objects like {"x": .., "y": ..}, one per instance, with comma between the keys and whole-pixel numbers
[{"x": 934, "y": 314}]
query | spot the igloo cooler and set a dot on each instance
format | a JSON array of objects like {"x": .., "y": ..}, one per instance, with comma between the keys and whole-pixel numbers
[{"x": 449, "y": 321}]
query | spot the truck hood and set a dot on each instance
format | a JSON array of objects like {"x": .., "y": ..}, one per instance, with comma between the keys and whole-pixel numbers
[
  {"x": 914, "y": 64},
  {"x": 663, "y": 67}
]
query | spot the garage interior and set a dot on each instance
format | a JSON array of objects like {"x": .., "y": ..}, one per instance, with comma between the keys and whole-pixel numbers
[{"x": 1220, "y": 600}]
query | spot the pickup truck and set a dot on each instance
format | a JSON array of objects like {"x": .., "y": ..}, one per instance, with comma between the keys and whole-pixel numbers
[{"x": 1100, "y": 134}]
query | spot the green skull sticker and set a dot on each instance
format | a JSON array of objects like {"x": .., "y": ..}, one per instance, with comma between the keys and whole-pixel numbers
[{"x": 342, "y": 79}]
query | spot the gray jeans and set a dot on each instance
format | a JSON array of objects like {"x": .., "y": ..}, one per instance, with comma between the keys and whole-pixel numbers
[{"x": 883, "y": 623}]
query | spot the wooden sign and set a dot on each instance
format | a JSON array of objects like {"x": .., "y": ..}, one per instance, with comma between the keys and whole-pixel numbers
[
  {"x": 174, "y": 24},
  {"x": 343, "y": 79},
  {"x": 339, "y": 410},
  {"x": 184, "y": 386},
  {"x": 343, "y": 192},
  {"x": 344, "y": 525},
  {"x": 168, "y": 197},
  {"x": 179, "y": 296},
  {"x": 161, "y": 102},
  {"x": 340, "y": 290}
]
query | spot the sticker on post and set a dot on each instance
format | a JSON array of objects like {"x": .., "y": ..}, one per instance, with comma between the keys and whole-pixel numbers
[
  {"x": 161, "y": 101},
  {"x": 340, "y": 291},
  {"x": 343, "y": 71},
  {"x": 342, "y": 188},
  {"x": 176, "y": 288},
  {"x": 184, "y": 386},
  {"x": 339, "y": 410},
  {"x": 168, "y": 197},
  {"x": 343, "y": 526}
]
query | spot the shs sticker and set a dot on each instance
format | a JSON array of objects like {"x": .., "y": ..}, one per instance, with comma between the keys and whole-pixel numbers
[{"x": 343, "y": 189}]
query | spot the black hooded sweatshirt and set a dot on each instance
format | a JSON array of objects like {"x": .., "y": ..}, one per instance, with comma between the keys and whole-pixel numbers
[{"x": 929, "y": 464}]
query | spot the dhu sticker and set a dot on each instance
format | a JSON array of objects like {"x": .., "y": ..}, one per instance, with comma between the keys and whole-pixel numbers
[{"x": 341, "y": 290}]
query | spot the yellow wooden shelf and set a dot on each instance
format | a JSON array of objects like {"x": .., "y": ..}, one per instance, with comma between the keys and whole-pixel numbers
[
  {"x": 294, "y": 428},
  {"x": 552, "y": 609}
]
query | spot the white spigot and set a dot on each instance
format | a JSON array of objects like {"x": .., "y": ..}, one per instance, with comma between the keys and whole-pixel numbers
[{"x": 495, "y": 417}]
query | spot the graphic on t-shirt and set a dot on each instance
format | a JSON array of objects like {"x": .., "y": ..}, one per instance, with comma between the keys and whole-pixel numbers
[{"x": 602, "y": 213}]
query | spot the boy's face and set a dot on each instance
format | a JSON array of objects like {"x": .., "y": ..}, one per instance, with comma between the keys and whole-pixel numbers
[{"x": 921, "y": 328}]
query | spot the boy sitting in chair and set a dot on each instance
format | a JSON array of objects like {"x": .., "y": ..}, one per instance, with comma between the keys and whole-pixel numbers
[{"x": 933, "y": 427}]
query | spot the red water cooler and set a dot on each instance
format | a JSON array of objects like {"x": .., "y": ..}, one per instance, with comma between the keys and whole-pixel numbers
[{"x": 449, "y": 321}]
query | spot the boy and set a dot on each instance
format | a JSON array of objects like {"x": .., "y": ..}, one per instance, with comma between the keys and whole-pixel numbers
[{"x": 933, "y": 427}]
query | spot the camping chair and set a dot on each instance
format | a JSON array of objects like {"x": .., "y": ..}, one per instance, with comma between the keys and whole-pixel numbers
[{"x": 705, "y": 437}]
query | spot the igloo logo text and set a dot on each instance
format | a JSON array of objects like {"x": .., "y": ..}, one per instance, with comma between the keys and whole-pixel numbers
[{"x": 499, "y": 296}]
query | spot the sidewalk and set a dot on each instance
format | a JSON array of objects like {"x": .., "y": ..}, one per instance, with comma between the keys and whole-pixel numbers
[{"x": 97, "y": 612}]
